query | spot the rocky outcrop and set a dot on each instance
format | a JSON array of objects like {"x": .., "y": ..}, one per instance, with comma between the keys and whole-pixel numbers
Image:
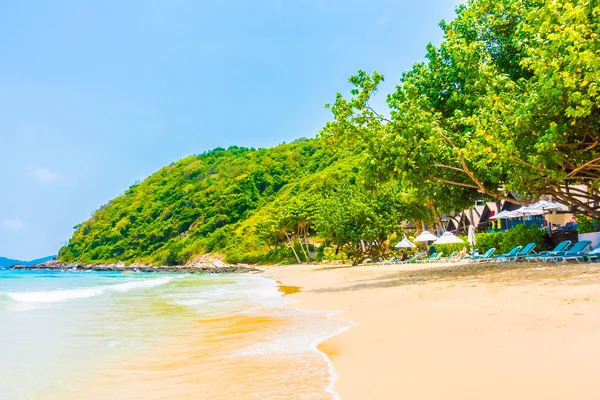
[{"x": 204, "y": 264}]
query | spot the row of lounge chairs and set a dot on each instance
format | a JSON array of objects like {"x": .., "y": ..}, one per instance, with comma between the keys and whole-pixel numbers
[
  {"x": 565, "y": 251},
  {"x": 581, "y": 251}
]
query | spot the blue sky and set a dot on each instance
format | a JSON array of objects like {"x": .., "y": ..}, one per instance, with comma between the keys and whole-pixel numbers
[{"x": 96, "y": 95}]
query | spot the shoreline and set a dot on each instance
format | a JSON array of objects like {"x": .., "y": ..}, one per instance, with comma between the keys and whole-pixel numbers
[
  {"x": 317, "y": 344},
  {"x": 456, "y": 331}
]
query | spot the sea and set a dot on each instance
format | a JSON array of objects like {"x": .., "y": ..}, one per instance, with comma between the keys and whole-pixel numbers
[{"x": 120, "y": 336}]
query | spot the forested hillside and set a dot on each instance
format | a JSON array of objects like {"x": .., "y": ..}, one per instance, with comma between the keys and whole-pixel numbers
[{"x": 220, "y": 201}]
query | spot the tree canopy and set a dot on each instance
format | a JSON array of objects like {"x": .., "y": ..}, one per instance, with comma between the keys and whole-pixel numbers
[{"x": 507, "y": 103}]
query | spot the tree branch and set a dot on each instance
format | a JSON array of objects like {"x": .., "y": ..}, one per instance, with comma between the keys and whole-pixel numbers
[
  {"x": 449, "y": 167},
  {"x": 376, "y": 113},
  {"x": 454, "y": 183},
  {"x": 576, "y": 170}
]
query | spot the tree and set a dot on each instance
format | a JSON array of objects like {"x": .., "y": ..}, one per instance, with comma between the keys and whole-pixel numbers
[
  {"x": 350, "y": 216},
  {"x": 507, "y": 103}
]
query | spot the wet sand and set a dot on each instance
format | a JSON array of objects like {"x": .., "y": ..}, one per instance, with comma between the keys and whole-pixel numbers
[{"x": 480, "y": 331}]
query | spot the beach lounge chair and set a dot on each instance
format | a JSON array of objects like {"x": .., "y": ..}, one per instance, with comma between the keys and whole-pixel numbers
[
  {"x": 449, "y": 258},
  {"x": 593, "y": 255},
  {"x": 471, "y": 256},
  {"x": 526, "y": 251},
  {"x": 414, "y": 258},
  {"x": 508, "y": 256},
  {"x": 436, "y": 258},
  {"x": 392, "y": 260},
  {"x": 424, "y": 260},
  {"x": 484, "y": 257},
  {"x": 562, "y": 246},
  {"x": 577, "y": 252},
  {"x": 553, "y": 256}
]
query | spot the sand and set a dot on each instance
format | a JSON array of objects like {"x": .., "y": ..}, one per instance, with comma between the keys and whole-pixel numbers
[{"x": 516, "y": 331}]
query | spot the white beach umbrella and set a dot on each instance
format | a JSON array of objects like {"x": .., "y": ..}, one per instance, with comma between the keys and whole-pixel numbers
[
  {"x": 544, "y": 206},
  {"x": 501, "y": 214},
  {"x": 523, "y": 211},
  {"x": 471, "y": 235},
  {"x": 548, "y": 206},
  {"x": 425, "y": 236},
  {"x": 405, "y": 243},
  {"x": 448, "y": 238}
]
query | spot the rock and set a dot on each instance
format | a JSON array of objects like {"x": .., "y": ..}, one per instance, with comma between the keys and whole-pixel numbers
[{"x": 199, "y": 265}]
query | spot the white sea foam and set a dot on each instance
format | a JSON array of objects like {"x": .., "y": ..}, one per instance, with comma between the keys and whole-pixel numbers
[
  {"x": 297, "y": 339},
  {"x": 58, "y": 295},
  {"x": 139, "y": 284},
  {"x": 241, "y": 294}
]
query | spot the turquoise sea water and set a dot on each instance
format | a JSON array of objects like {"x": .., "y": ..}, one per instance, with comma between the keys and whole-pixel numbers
[{"x": 129, "y": 336}]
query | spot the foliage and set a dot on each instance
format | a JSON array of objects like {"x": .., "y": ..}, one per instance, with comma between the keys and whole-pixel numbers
[
  {"x": 521, "y": 235},
  {"x": 587, "y": 225},
  {"x": 448, "y": 249},
  {"x": 359, "y": 222},
  {"x": 486, "y": 240},
  {"x": 253, "y": 206},
  {"x": 213, "y": 202},
  {"x": 514, "y": 84},
  {"x": 504, "y": 242}
]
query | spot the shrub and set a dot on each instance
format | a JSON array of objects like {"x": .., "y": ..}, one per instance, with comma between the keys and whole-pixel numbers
[
  {"x": 587, "y": 225},
  {"x": 521, "y": 236},
  {"x": 279, "y": 255},
  {"x": 486, "y": 240}
]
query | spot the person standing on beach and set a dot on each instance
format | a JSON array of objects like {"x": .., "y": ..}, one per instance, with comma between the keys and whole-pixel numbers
[{"x": 431, "y": 249}]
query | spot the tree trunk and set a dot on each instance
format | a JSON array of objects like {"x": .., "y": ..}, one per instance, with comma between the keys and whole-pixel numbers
[
  {"x": 306, "y": 243},
  {"x": 302, "y": 247},
  {"x": 294, "y": 250}
]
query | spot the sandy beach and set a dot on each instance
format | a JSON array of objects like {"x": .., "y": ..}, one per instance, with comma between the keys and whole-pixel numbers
[{"x": 482, "y": 331}]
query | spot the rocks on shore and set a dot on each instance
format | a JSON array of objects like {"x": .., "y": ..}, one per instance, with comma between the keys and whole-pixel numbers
[{"x": 203, "y": 264}]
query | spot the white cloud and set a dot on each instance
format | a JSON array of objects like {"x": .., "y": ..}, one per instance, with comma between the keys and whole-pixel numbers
[
  {"x": 13, "y": 223},
  {"x": 44, "y": 174}
]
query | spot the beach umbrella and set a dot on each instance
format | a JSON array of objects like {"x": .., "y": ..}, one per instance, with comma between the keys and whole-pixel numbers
[
  {"x": 448, "y": 238},
  {"x": 544, "y": 206},
  {"x": 547, "y": 206},
  {"x": 405, "y": 243},
  {"x": 425, "y": 236},
  {"x": 471, "y": 235},
  {"x": 523, "y": 211},
  {"x": 502, "y": 214}
]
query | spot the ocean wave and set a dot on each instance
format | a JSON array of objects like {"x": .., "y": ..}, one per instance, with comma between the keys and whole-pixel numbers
[
  {"x": 238, "y": 294},
  {"x": 58, "y": 295}
]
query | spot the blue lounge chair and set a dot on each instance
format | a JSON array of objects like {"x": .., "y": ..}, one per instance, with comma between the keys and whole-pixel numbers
[
  {"x": 409, "y": 260},
  {"x": 592, "y": 257},
  {"x": 392, "y": 260},
  {"x": 579, "y": 252},
  {"x": 527, "y": 250},
  {"x": 578, "y": 248},
  {"x": 562, "y": 246},
  {"x": 423, "y": 260},
  {"x": 479, "y": 258},
  {"x": 436, "y": 257},
  {"x": 508, "y": 256},
  {"x": 449, "y": 258}
]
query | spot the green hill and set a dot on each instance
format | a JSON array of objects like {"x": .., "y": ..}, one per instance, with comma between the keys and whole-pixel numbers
[
  {"x": 221, "y": 201},
  {"x": 9, "y": 262}
]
